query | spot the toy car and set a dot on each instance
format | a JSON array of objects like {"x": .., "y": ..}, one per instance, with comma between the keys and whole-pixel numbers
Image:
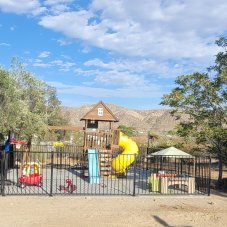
[{"x": 31, "y": 179}]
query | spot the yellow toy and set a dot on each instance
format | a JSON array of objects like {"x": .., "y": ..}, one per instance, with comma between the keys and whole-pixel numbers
[
  {"x": 58, "y": 144},
  {"x": 127, "y": 157},
  {"x": 27, "y": 168}
]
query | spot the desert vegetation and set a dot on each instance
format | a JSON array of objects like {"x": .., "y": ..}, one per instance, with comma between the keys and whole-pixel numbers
[
  {"x": 203, "y": 98},
  {"x": 27, "y": 105}
]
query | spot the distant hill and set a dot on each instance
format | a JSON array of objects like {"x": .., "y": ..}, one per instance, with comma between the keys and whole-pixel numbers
[{"x": 159, "y": 121}]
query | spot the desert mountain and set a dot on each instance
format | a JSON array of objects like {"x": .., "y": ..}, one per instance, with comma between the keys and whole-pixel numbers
[{"x": 159, "y": 121}]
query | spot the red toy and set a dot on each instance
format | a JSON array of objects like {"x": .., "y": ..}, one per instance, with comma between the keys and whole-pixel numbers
[
  {"x": 32, "y": 179},
  {"x": 166, "y": 175},
  {"x": 21, "y": 142},
  {"x": 69, "y": 187}
]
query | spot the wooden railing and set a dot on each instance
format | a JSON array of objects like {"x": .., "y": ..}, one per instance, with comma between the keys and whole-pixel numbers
[{"x": 101, "y": 139}]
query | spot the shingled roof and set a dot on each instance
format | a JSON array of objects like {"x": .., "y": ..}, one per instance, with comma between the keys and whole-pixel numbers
[{"x": 100, "y": 112}]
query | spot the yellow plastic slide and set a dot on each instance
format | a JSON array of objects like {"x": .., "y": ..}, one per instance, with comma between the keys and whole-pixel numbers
[{"x": 127, "y": 157}]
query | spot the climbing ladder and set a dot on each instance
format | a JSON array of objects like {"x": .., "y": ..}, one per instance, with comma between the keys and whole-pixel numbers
[{"x": 105, "y": 162}]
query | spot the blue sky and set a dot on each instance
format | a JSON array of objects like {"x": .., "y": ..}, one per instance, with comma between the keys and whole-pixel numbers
[{"x": 125, "y": 52}]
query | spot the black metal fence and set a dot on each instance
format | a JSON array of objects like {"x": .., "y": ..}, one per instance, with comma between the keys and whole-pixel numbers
[{"x": 45, "y": 171}]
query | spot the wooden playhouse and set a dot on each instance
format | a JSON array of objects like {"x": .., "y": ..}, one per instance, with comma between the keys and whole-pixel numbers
[{"x": 100, "y": 134}]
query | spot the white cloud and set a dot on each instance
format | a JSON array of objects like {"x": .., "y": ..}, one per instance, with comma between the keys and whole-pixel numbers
[
  {"x": 118, "y": 75},
  {"x": 148, "y": 40},
  {"x": 5, "y": 44},
  {"x": 38, "y": 60},
  {"x": 66, "y": 56},
  {"x": 55, "y": 2},
  {"x": 22, "y": 7},
  {"x": 99, "y": 92},
  {"x": 44, "y": 54},
  {"x": 58, "y": 6},
  {"x": 158, "y": 29},
  {"x": 70, "y": 102},
  {"x": 161, "y": 29},
  {"x": 148, "y": 67},
  {"x": 86, "y": 50},
  {"x": 75, "y": 21},
  {"x": 129, "y": 74},
  {"x": 41, "y": 65},
  {"x": 86, "y": 73},
  {"x": 120, "y": 79},
  {"x": 57, "y": 9},
  {"x": 60, "y": 64},
  {"x": 63, "y": 66},
  {"x": 63, "y": 42}
]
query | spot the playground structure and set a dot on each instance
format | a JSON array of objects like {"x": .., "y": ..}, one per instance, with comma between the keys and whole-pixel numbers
[
  {"x": 97, "y": 160},
  {"x": 100, "y": 143},
  {"x": 103, "y": 163},
  {"x": 98, "y": 168}
]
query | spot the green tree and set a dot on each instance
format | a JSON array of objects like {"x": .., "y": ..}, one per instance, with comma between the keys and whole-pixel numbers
[
  {"x": 27, "y": 105},
  {"x": 10, "y": 102},
  {"x": 152, "y": 136},
  {"x": 203, "y": 98},
  {"x": 127, "y": 130},
  {"x": 53, "y": 107}
]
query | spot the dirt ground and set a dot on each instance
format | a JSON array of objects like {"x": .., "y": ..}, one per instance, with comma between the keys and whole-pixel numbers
[{"x": 114, "y": 211}]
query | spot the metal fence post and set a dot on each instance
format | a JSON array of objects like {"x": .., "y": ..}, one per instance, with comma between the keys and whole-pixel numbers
[
  {"x": 134, "y": 177},
  {"x": 1, "y": 160},
  {"x": 209, "y": 176},
  {"x": 3, "y": 172},
  {"x": 51, "y": 173}
]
